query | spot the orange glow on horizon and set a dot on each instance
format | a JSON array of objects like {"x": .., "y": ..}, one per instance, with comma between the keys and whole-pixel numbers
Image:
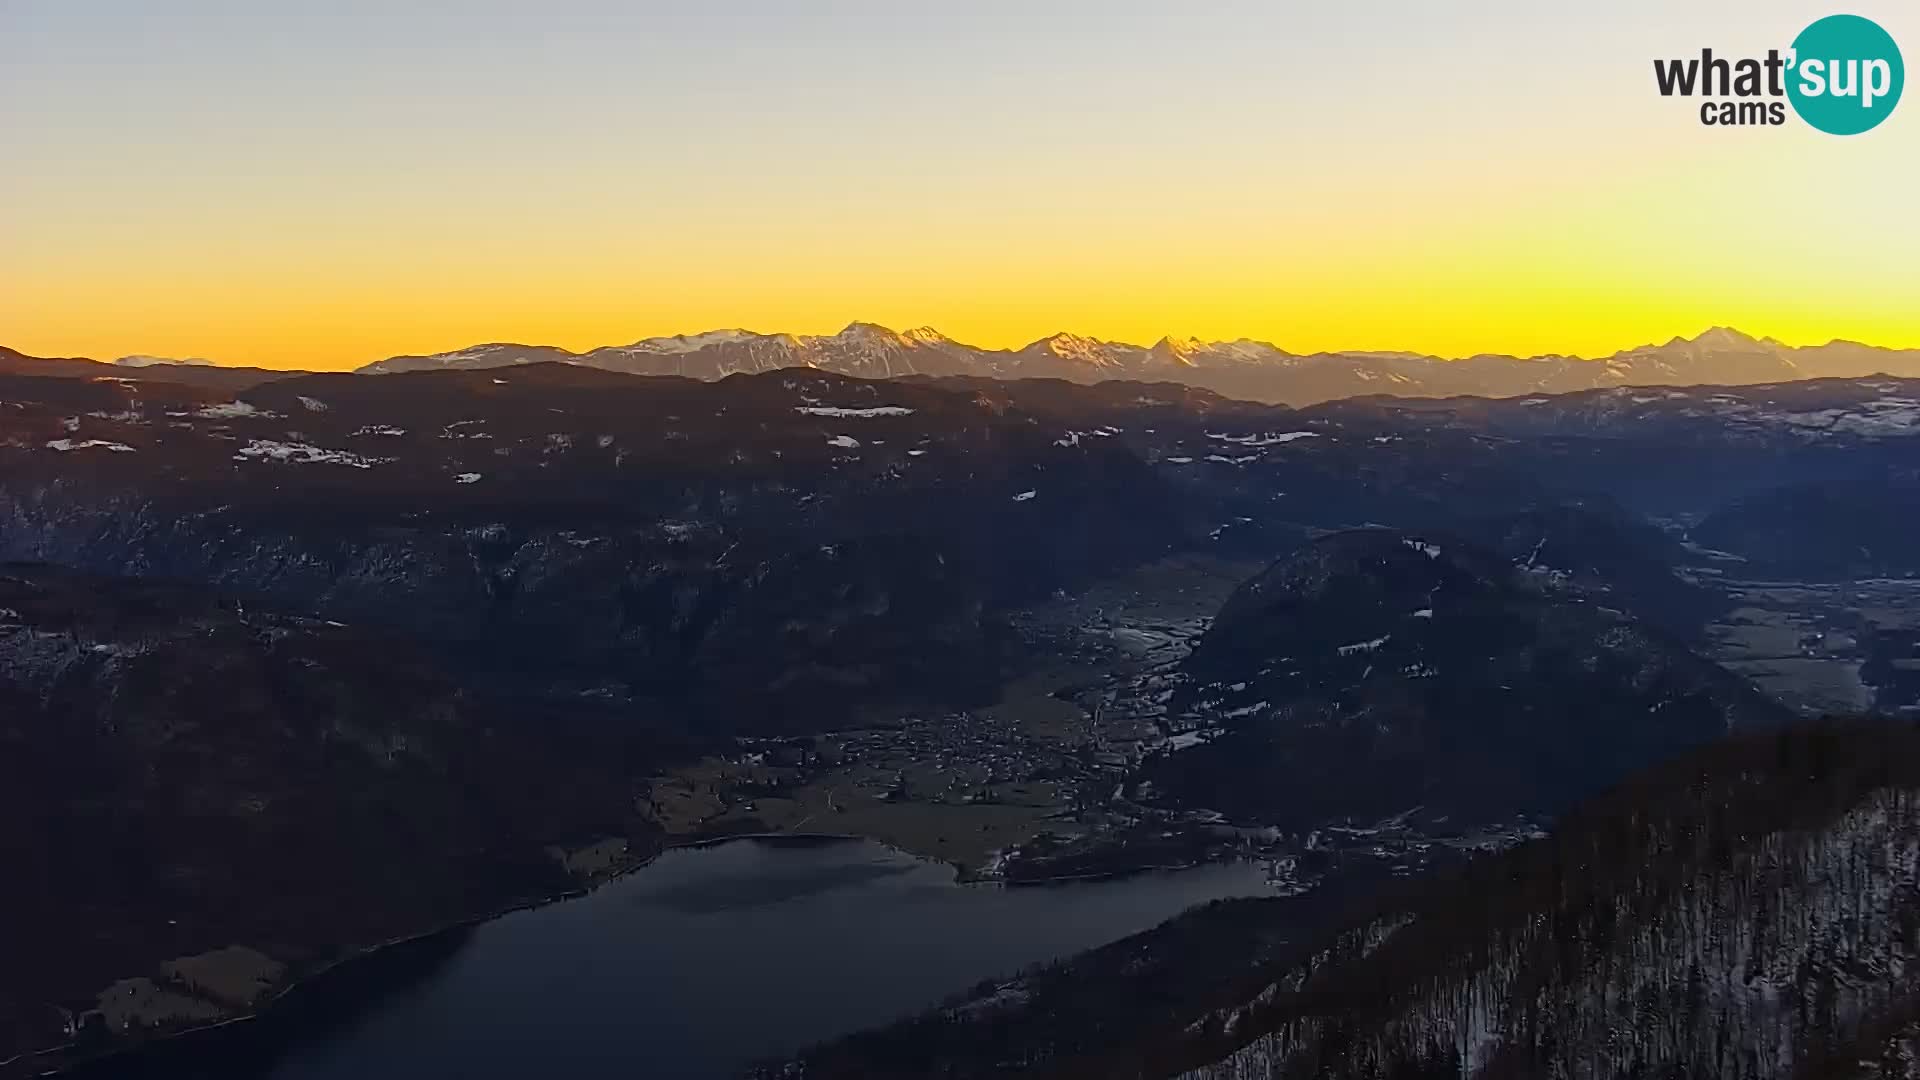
[{"x": 364, "y": 195}]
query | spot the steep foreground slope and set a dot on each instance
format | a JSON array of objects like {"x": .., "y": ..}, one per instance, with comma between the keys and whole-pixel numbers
[{"x": 1751, "y": 909}]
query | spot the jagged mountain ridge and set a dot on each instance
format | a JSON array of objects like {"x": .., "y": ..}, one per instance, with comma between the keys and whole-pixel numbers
[{"x": 1242, "y": 368}]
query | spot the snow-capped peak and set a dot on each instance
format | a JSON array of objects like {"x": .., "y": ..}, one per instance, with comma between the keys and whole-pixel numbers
[
  {"x": 866, "y": 333},
  {"x": 925, "y": 335},
  {"x": 1725, "y": 337},
  {"x": 157, "y": 361},
  {"x": 1074, "y": 347},
  {"x": 1181, "y": 350},
  {"x": 686, "y": 343}
]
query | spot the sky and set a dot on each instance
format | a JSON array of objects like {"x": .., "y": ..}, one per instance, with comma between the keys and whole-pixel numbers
[{"x": 299, "y": 184}]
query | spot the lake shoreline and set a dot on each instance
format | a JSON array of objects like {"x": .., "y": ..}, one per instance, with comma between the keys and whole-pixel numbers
[{"x": 71, "y": 1060}]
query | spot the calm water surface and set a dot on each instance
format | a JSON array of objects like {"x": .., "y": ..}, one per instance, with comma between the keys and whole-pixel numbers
[{"x": 699, "y": 964}]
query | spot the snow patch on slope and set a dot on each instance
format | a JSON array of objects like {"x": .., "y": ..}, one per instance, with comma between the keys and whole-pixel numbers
[{"x": 304, "y": 454}]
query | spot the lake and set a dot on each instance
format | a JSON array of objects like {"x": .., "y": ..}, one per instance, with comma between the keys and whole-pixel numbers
[{"x": 696, "y": 966}]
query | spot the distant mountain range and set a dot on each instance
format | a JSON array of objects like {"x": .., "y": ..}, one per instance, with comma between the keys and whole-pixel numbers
[
  {"x": 1252, "y": 370},
  {"x": 1244, "y": 369}
]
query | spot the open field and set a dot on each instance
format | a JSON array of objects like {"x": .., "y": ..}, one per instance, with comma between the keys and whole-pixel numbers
[
  {"x": 964, "y": 786},
  {"x": 1808, "y": 643}
]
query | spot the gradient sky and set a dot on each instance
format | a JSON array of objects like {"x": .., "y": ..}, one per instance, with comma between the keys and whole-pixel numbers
[{"x": 254, "y": 184}]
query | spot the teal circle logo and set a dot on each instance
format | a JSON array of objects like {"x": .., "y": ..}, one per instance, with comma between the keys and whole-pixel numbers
[{"x": 1845, "y": 75}]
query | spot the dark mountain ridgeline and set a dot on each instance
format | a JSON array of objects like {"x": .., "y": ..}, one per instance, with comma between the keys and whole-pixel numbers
[
  {"x": 1376, "y": 672},
  {"x": 1823, "y": 531},
  {"x": 13, "y": 362},
  {"x": 185, "y": 771},
  {"x": 599, "y": 530},
  {"x": 1747, "y": 906},
  {"x": 1600, "y": 549},
  {"x": 708, "y": 541}
]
